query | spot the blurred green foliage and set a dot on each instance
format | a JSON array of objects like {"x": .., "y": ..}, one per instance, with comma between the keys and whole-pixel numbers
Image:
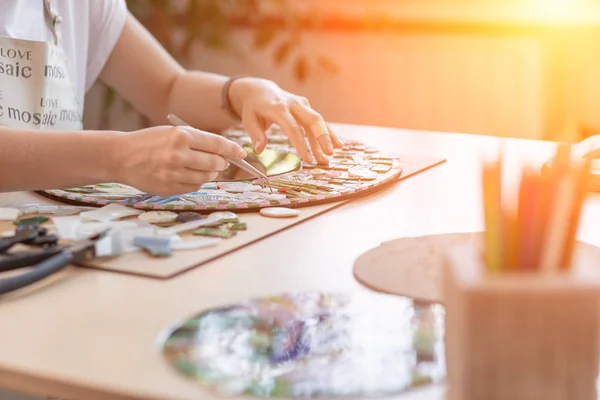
[{"x": 180, "y": 24}]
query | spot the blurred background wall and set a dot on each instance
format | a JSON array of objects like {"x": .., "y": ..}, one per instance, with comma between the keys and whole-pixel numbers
[{"x": 518, "y": 68}]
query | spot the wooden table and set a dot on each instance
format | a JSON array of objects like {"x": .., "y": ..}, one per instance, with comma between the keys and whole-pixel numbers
[{"x": 90, "y": 334}]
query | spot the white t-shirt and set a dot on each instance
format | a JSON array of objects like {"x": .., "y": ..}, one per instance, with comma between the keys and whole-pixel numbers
[{"x": 90, "y": 30}]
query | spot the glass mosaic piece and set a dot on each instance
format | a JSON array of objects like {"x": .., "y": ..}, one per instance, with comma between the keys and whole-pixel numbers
[
  {"x": 215, "y": 232},
  {"x": 311, "y": 345},
  {"x": 31, "y": 221}
]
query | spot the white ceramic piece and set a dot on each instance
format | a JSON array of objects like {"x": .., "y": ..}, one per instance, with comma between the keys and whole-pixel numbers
[
  {"x": 223, "y": 215},
  {"x": 64, "y": 211},
  {"x": 194, "y": 244},
  {"x": 361, "y": 172},
  {"x": 47, "y": 209},
  {"x": 279, "y": 212},
  {"x": 110, "y": 212},
  {"x": 9, "y": 214}
]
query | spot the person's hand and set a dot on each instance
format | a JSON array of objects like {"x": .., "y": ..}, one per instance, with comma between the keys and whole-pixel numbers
[
  {"x": 589, "y": 147},
  {"x": 261, "y": 103},
  {"x": 167, "y": 160}
]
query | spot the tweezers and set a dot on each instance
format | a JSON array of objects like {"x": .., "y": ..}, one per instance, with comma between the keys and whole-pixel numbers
[{"x": 243, "y": 164}]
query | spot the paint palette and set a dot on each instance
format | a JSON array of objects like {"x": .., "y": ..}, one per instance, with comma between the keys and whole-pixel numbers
[
  {"x": 355, "y": 169},
  {"x": 312, "y": 345}
]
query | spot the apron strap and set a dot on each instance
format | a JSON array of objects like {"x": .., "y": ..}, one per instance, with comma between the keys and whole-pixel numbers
[{"x": 54, "y": 20}]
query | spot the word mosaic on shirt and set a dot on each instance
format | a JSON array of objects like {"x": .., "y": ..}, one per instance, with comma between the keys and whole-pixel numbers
[{"x": 35, "y": 89}]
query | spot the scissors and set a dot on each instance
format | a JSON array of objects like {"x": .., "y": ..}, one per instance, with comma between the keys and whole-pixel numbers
[
  {"x": 243, "y": 165},
  {"x": 52, "y": 257}
]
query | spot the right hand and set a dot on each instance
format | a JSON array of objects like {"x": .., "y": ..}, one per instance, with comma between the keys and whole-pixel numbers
[
  {"x": 589, "y": 147},
  {"x": 168, "y": 160}
]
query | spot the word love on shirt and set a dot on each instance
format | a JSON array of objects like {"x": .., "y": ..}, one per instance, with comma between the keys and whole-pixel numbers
[{"x": 11, "y": 60}]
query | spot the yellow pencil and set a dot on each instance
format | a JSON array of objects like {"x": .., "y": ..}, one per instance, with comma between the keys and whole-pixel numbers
[{"x": 492, "y": 195}]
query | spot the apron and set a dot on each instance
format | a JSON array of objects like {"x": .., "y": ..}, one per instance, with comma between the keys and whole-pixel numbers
[{"x": 36, "y": 90}]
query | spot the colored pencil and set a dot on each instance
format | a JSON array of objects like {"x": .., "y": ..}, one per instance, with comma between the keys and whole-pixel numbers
[
  {"x": 492, "y": 195},
  {"x": 560, "y": 219},
  {"x": 511, "y": 235},
  {"x": 540, "y": 216},
  {"x": 528, "y": 221},
  {"x": 534, "y": 227},
  {"x": 582, "y": 171}
]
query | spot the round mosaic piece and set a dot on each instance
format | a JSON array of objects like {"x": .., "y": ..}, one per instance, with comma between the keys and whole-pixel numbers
[
  {"x": 158, "y": 217},
  {"x": 311, "y": 345},
  {"x": 279, "y": 212},
  {"x": 352, "y": 170}
]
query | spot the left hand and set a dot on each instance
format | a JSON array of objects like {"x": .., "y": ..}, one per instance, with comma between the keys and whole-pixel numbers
[{"x": 261, "y": 103}]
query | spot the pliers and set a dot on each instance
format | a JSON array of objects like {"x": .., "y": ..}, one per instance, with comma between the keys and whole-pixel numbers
[{"x": 52, "y": 257}]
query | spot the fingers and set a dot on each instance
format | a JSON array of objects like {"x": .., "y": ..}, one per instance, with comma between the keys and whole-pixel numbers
[
  {"x": 195, "y": 178},
  {"x": 337, "y": 143},
  {"x": 215, "y": 144},
  {"x": 314, "y": 126},
  {"x": 317, "y": 151},
  {"x": 201, "y": 161},
  {"x": 255, "y": 127},
  {"x": 282, "y": 117},
  {"x": 184, "y": 181}
]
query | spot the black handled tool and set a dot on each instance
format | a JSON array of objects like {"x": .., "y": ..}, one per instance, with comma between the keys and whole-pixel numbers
[
  {"x": 22, "y": 234},
  {"x": 45, "y": 263}
]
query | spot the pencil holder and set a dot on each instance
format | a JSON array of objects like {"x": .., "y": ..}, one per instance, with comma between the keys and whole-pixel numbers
[{"x": 521, "y": 335}]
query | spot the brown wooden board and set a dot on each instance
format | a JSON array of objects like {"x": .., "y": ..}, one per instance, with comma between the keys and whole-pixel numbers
[{"x": 259, "y": 227}]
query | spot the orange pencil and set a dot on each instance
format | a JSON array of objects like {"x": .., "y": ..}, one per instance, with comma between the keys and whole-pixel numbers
[
  {"x": 511, "y": 236},
  {"x": 524, "y": 219},
  {"x": 542, "y": 209},
  {"x": 560, "y": 219},
  {"x": 530, "y": 220}
]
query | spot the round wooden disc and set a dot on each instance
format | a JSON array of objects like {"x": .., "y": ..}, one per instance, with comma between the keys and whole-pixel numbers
[{"x": 412, "y": 267}]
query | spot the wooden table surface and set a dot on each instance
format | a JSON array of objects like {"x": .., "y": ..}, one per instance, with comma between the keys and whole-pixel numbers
[{"x": 88, "y": 334}]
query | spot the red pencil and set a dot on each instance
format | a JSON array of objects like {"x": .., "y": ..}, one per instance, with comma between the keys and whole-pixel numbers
[{"x": 530, "y": 220}]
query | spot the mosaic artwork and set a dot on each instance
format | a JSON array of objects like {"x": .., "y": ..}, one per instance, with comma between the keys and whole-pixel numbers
[
  {"x": 310, "y": 345},
  {"x": 356, "y": 168}
]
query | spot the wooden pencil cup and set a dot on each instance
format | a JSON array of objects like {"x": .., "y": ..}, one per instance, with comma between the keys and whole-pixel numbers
[{"x": 521, "y": 335}]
